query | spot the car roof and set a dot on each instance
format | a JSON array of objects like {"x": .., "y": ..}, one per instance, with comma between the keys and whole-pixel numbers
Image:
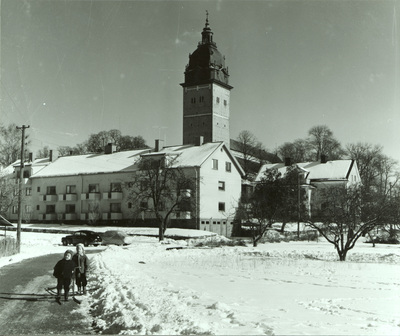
[{"x": 85, "y": 231}]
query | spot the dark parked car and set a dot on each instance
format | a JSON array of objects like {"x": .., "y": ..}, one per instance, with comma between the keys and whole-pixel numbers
[{"x": 86, "y": 237}]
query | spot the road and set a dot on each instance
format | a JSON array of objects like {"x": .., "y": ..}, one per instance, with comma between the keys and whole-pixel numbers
[{"x": 26, "y": 308}]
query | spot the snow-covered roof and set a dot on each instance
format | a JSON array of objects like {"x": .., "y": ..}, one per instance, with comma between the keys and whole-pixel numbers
[
  {"x": 195, "y": 156},
  {"x": 331, "y": 170},
  {"x": 7, "y": 171},
  {"x": 92, "y": 163},
  {"x": 185, "y": 156}
]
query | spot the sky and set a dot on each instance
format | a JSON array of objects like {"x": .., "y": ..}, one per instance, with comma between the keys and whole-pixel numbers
[{"x": 76, "y": 67}]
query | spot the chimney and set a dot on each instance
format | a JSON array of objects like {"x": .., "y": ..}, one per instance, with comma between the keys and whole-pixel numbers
[
  {"x": 323, "y": 158},
  {"x": 109, "y": 148},
  {"x": 288, "y": 162},
  {"x": 51, "y": 155},
  {"x": 158, "y": 145},
  {"x": 199, "y": 140},
  {"x": 30, "y": 157}
]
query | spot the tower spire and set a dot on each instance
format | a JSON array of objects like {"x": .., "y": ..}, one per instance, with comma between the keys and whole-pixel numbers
[{"x": 207, "y": 34}]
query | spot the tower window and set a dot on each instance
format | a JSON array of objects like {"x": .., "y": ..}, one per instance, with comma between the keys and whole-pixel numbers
[
  {"x": 221, "y": 185},
  {"x": 218, "y": 100},
  {"x": 225, "y": 103},
  {"x": 228, "y": 166},
  {"x": 193, "y": 100},
  {"x": 201, "y": 99},
  {"x": 221, "y": 206}
]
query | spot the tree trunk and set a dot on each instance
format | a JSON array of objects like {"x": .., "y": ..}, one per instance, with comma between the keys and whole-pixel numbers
[
  {"x": 160, "y": 233},
  {"x": 342, "y": 255},
  {"x": 372, "y": 239},
  {"x": 255, "y": 240}
]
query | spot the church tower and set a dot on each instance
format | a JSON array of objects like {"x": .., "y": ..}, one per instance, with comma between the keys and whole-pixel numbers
[{"x": 206, "y": 93}]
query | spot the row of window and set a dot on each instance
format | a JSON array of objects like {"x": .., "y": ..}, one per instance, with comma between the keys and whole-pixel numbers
[
  {"x": 201, "y": 100},
  {"x": 69, "y": 208},
  {"x": 71, "y": 189},
  {"x": 213, "y": 222},
  {"x": 228, "y": 165}
]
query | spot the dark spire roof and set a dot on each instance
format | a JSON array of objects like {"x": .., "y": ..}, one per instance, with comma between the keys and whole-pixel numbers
[{"x": 206, "y": 64}]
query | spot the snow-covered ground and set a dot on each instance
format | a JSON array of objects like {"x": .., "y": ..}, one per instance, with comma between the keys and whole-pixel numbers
[{"x": 279, "y": 288}]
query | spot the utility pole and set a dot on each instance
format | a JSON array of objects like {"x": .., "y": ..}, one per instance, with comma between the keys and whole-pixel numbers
[
  {"x": 298, "y": 204},
  {"x": 21, "y": 167}
]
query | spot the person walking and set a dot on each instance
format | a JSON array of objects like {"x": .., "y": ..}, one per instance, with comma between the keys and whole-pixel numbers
[
  {"x": 64, "y": 271},
  {"x": 82, "y": 263}
]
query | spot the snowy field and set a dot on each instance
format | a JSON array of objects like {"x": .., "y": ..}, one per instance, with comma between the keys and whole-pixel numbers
[{"x": 273, "y": 289}]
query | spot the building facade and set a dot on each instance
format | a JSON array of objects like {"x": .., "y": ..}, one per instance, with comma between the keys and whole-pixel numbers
[
  {"x": 315, "y": 177},
  {"x": 94, "y": 188}
]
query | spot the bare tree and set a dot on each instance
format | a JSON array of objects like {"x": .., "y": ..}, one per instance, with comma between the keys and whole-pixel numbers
[
  {"x": 94, "y": 212},
  {"x": 368, "y": 159},
  {"x": 10, "y": 144},
  {"x": 43, "y": 152},
  {"x": 114, "y": 136},
  {"x": 128, "y": 142},
  {"x": 297, "y": 151},
  {"x": 159, "y": 188},
  {"x": 79, "y": 149},
  {"x": 322, "y": 142},
  {"x": 342, "y": 216},
  {"x": 247, "y": 147},
  {"x": 275, "y": 198},
  {"x": 8, "y": 193},
  {"x": 96, "y": 142}
]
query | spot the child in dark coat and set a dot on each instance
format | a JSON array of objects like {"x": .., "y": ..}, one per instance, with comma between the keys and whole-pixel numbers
[
  {"x": 82, "y": 264},
  {"x": 64, "y": 271}
]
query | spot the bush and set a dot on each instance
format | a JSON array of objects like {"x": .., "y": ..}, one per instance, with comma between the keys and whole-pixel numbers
[
  {"x": 219, "y": 241},
  {"x": 385, "y": 238},
  {"x": 272, "y": 236},
  {"x": 8, "y": 246},
  {"x": 309, "y": 235}
]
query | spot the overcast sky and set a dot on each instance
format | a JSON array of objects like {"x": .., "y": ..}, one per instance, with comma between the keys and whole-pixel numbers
[{"x": 75, "y": 67}]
